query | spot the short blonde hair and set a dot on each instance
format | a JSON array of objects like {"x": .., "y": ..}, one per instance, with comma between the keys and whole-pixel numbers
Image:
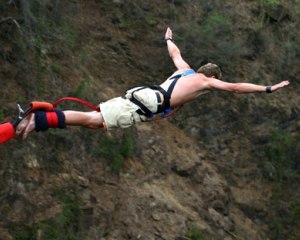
[{"x": 210, "y": 70}]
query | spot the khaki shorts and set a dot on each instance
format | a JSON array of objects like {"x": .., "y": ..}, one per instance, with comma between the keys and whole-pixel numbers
[{"x": 121, "y": 112}]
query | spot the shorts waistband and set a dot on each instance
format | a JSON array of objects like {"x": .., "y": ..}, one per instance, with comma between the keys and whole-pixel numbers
[
  {"x": 159, "y": 101},
  {"x": 143, "y": 110}
]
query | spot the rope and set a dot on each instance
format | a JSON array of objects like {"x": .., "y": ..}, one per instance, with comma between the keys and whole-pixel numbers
[{"x": 87, "y": 104}]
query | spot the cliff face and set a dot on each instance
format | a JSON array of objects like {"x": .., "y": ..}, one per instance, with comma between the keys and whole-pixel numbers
[{"x": 225, "y": 167}]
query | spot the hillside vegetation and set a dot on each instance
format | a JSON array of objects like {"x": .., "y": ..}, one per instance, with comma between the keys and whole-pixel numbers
[{"x": 226, "y": 166}]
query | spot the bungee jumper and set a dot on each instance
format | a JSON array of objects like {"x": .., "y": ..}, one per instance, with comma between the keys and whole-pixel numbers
[{"x": 140, "y": 104}]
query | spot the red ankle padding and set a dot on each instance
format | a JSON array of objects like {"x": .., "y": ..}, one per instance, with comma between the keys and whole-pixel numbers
[
  {"x": 52, "y": 119},
  {"x": 47, "y": 107},
  {"x": 44, "y": 120}
]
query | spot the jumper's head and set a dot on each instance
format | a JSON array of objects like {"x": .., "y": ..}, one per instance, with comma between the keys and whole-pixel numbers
[{"x": 210, "y": 70}]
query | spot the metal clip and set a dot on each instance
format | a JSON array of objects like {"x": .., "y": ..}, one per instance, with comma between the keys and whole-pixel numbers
[{"x": 21, "y": 112}]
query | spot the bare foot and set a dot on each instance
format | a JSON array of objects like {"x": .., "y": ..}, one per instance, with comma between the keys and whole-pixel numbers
[{"x": 26, "y": 126}]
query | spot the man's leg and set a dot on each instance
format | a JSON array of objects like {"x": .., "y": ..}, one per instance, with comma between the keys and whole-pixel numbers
[
  {"x": 86, "y": 119},
  {"x": 75, "y": 118}
]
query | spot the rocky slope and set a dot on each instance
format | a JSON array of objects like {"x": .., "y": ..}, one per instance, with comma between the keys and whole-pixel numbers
[{"x": 204, "y": 174}]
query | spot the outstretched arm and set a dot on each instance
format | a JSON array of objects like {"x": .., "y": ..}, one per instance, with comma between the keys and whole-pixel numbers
[
  {"x": 174, "y": 51},
  {"x": 215, "y": 84}
]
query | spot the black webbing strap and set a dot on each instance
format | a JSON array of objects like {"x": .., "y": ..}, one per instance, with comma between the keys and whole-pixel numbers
[
  {"x": 143, "y": 109},
  {"x": 166, "y": 107},
  {"x": 167, "y": 94}
]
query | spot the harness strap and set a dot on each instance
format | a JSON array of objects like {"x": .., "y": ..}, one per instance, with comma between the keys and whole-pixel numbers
[
  {"x": 143, "y": 109},
  {"x": 166, "y": 106},
  {"x": 167, "y": 95},
  {"x": 188, "y": 72}
]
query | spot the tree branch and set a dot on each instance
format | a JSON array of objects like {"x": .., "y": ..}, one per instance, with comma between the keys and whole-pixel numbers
[{"x": 11, "y": 19}]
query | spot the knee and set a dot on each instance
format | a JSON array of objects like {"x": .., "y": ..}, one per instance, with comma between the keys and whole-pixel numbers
[{"x": 95, "y": 120}]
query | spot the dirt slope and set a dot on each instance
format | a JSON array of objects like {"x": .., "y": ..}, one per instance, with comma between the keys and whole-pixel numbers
[{"x": 199, "y": 172}]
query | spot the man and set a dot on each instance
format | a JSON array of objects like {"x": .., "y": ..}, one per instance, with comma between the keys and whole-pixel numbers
[{"x": 141, "y": 103}]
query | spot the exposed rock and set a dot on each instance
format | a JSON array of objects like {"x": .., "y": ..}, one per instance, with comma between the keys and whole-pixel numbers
[
  {"x": 4, "y": 234},
  {"x": 199, "y": 169}
]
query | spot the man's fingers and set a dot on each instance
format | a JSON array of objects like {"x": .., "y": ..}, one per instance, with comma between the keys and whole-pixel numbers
[
  {"x": 280, "y": 85},
  {"x": 168, "y": 33},
  {"x": 284, "y": 83}
]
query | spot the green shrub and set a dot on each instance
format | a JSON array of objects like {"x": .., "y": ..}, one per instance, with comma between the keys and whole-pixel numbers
[
  {"x": 66, "y": 225},
  {"x": 265, "y": 7},
  {"x": 81, "y": 89},
  {"x": 26, "y": 232},
  {"x": 277, "y": 227},
  {"x": 218, "y": 25},
  {"x": 294, "y": 211},
  {"x": 272, "y": 2},
  {"x": 151, "y": 22},
  {"x": 1, "y": 114},
  {"x": 115, "y": 150},
  {"x": 282, "y": 166},
  {"x": 195, "y": 234},
  {"x": 44, "y": 34},
  {"x": 215, "y": 41},
  {"x": 282, "y": 154}
]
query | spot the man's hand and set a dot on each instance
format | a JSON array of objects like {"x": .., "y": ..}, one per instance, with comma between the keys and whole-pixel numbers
[
  {"x": 168, "y": 34},
  {"x": 26, "y": 126},
  {"x": 280, "y": 85}
]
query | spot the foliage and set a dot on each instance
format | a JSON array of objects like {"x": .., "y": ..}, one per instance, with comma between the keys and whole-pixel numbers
[
  {"x": 44, "y": 27},
  {"x": 82, "y": 88},
  {"x": 67, "y": 224},
  {"x": 285, "y": 214},
  {"x": 27, "y": 232},
  {"x": 294, "y": 211},
  {"x": 44, "y": 34},
  {"x": 115, "y": 150},
  {"x": 151, "y": 22},
  {"x": 283, "y": 157},
  {"x": 272, "y": 2},
  {"x": 279, "y": 40},
  {"x": 195, "y": 234},
  {"x": 283, "y": 167},
  {"x": 214, "y": 40},
  {"x": 64, "y": 226},
  {"x": 1, "y": 114},
  {"x": 218, "y": 25}
]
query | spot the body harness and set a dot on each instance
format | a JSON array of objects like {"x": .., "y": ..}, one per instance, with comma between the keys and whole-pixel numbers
[{"x": 164, "y": 107}]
